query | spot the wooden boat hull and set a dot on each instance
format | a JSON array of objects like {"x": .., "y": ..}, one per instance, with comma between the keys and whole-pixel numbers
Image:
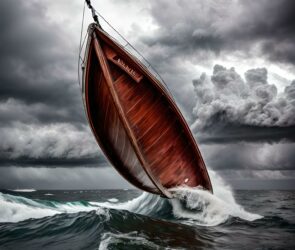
[{"x": 136, "y": 122}]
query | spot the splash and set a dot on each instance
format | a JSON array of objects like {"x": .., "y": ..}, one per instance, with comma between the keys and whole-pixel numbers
[
  {"x": 197, "y": 206},
  {"x": 113, "y": 200},
  {"x": 190, "y": 205}
]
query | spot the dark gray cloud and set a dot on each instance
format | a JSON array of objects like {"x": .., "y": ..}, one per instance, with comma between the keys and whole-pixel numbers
[
  {"x": 15, "y": 110},
  {"x": 263, "y": 179},
  {"x": 61, "y": 178},
  {"x": 194, "y": 34},
  {"x": 229, "y": 108},
  {"x": 38, "y": 64},
  {"x": 249, "y": 156},
  {"x": 259, "y": 179},
  {"x": 190, "y": 27},
  {"x": 42, "y": 121}
]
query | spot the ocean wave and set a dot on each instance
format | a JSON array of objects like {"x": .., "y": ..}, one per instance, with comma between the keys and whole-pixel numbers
[
  {"x": 132, "y": 239},
  {"x": 189, "y": 206},
  {"x": 104, "y": 228},
  {"x": 200, "y": 207},
  {"x": 146, "y": 222},
  {"x": 17, "y": 208}
]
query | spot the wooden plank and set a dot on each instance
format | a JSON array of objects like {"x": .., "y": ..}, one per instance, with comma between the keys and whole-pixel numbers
[
  {"x": 110, "y": 84},
  {"x": 121, "y": 63},
  {"x": 96, "y": 96}
]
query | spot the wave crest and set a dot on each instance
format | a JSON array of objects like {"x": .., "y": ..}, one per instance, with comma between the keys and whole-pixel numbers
[{"x": 189, "y": 206}]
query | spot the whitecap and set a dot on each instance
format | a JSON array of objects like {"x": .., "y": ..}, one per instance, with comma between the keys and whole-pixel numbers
[
  {"x": 198, "y": 206},
  {"x": 113, "y": 200},
  {"x": 28, "y": 190},
  {"x": 135, "y": 238},
  {"x": 16, "y": 208},
  {"x": 190, "y": 205}
]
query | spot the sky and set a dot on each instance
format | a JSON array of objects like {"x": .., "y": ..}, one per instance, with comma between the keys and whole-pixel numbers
[{"x": 230, "y": 65}]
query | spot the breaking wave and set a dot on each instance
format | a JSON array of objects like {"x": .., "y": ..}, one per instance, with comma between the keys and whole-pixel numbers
[
  {"x": 201, "y": 207},
  {"x": 192, "y": 218},
  {"x": 189, "y": 206}
]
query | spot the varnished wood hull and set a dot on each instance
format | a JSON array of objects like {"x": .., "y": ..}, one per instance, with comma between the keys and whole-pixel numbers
[{"x": 135, "y": 121}]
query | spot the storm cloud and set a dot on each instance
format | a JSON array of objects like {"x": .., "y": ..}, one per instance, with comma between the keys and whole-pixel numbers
[
  {"x": 36, "y": 59},
  {"x": 42, "y": 121},
  {"x": 229, "y": 107},
  {"x": 199, "y": 27},
  {"x": 250, "y": 156},
  {"x": 61, "y": 178},
  {"x": 242, "y": 117},
  {"x": 50, "y": 145}
]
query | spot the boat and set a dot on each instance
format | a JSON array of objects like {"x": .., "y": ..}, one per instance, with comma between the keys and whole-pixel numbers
[{"x": 135, "y": 120}]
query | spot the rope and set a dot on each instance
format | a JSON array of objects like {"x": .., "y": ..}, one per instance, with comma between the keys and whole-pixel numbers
[
  {"x": 95, "y": 17},
  {"x": 81, "y": 46}
]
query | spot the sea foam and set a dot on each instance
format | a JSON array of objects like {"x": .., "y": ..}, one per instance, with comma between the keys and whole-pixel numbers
[
  {"x": 17, "y": 208},
  {"x": 189, "y": 206},
  {"x": 200, "y": 207}
]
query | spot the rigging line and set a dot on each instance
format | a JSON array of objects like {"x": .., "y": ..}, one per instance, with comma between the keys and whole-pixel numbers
[
  {"x": 95, "y": 15},
  {"x": 80, "y": 45},
  {"x": 84, "y": 39},
  {"x": 128, "y": 43},
  {"x": 93, "y": 11}
]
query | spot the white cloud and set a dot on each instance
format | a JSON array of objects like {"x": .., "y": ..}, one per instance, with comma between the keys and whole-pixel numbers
[
  {"x": 47, "y": 141},
  {"x": 228, "y": 99}
]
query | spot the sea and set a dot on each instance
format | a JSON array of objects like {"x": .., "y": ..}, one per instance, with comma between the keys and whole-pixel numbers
[{"x": 132, "y": 219}]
